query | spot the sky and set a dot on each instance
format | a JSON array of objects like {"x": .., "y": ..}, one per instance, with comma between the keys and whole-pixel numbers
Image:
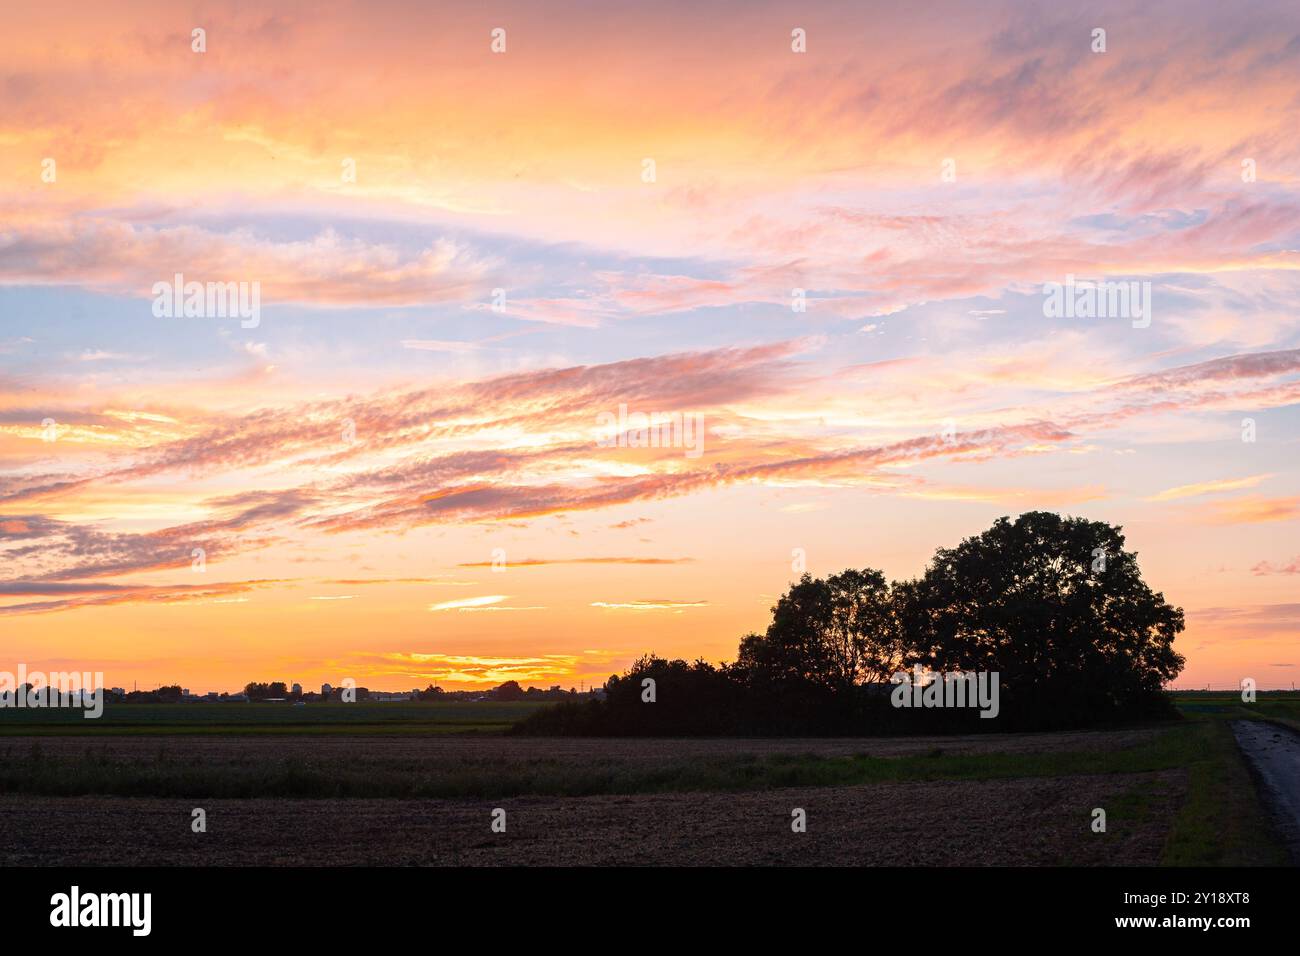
[{"x": 824, "y": 233}]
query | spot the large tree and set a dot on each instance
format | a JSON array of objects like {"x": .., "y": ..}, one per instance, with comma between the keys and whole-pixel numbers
[
  {"x": 1056, "y": 606},
  {"x": 835, "y": 633},
  {"x": 510, "y": 690}
]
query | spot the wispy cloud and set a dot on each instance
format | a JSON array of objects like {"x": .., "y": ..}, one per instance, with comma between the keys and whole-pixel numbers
[
  {"x": 1268, "y": 567},
  {"x": 654, "y": 605},
  {"x": 540, "y": 562},
  {"x": 474, "y": 669},
  {"x": 138, "y": 594},
  {"x": 1212, "y": 487},
  {"x": 461, "y": 604},
  {"x": 1255, "y": 509}
]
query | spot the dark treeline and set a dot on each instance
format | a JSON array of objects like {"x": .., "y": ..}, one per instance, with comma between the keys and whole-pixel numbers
[
  {"x": 279, "y": 692},
  {"x": 1055, "y": 606}
]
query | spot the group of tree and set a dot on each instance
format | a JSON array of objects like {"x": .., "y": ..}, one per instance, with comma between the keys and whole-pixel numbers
[
  {"x": 275, "y": 690},
  {"x": 1054, "y": 606},
  {"x": 167, "y": 694},
  {"x": 511, "y": 691}
]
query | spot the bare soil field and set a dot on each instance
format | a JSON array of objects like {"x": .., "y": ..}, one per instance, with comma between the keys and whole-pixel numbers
[
  {"x": 632, "y": 801},
  {"x": 1035, "y": 821}
]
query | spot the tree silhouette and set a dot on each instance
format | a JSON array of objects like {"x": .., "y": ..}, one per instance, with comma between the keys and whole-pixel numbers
[
  {"x": 510, "y": 690},
  {"x": 836, "y": 633},
  {"x": 1056, "y": 606}
]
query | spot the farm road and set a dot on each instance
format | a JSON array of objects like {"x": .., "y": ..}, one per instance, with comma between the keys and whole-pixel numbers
[{"x": 1273, "y": 752}]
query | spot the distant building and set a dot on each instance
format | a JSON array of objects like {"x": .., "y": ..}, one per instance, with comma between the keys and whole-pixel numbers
[
  {"x": 326, "y": 690},
  {"x": 297, "y": 690}
]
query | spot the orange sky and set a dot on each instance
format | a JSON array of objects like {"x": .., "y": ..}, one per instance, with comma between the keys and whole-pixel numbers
[{"x": 468, "y": 260}]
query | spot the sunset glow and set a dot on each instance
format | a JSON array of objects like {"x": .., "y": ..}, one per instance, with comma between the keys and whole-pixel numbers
[{"x": 471, "y": 262}]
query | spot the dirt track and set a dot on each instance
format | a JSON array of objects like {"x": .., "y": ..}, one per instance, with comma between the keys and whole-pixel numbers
[{"x": 1274, "y": 755}]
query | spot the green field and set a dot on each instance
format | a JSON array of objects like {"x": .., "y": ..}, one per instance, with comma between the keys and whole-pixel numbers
[
  {"x": 437, "y": 718},
  {"x": 242, "y": 718},
  {"x": 172, "y": 770},
  {"x": 1282, "y": 706}
]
